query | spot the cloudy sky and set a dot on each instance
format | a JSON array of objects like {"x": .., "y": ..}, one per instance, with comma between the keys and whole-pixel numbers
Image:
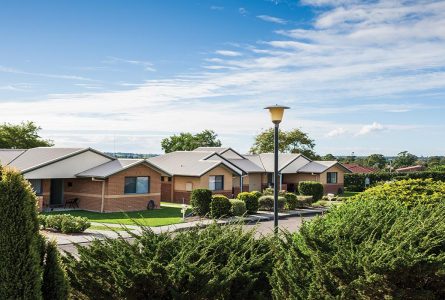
[{"x": 362, "y": 76}]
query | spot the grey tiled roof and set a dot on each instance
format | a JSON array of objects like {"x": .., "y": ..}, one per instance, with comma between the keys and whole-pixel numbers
[
  {"x": 39, "y": 156},
  {"x": 7, "y": 155},
  {"x": 317, "y": 166},
  {"x": 212, "y": 149},
  {"x": 247, "y": 165},
  {"x": 188, "y": 163},
  {"x": 115, "y": 166},
  {"x": 266, "y": 160}
]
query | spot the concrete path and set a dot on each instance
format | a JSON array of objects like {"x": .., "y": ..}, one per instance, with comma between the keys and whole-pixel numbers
[{"x": 89, "y": 234}]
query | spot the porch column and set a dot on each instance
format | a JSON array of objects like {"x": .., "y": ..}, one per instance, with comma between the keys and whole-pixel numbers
[
  {"x": 281, "y": 180},
  {"x": 241, "y": 183}
]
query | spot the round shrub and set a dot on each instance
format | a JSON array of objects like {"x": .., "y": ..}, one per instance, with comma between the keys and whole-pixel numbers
[
  {"x": 200, "y": 201},
  {"x": 311, "y": 188},
  {"x": 219, "y": 206},
  {"x": 66, "y": 223},
  {"x": 266, "y": 203},
  {"x": 251, "y": 201},
  {"x": 303, "y": 201},
  {"x": 410, "y": 192},
  {"x": 256, "y": 194},
  {"x": 291, "y": 201},
  {"x": 238, "y": 207},
  {"x": 375, "y": 248},
  {"x": 269, "y": 192}
]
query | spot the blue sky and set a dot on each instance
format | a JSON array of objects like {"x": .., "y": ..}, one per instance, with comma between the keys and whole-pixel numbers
[{"x": 362, "y": 76}]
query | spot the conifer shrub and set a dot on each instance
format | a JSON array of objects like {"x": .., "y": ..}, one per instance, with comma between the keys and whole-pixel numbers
[
  {"x": 311, "y": 188},
  {"x": 217, "y": 262},
  {"x": 220, "y": 206},
  {"x": 20, "y": 241},
  {"x": 200, "y": 201},
  {"x": 251, "y": 201},
  {"x": 65, "y": 223},
  {"x": 55, "y": 281},
  {"x": 368, "y": 248},
  {"x": 238, "y": 207},
  {"x": 291, "y": 201},
  {"x": 267, "y": 203}
]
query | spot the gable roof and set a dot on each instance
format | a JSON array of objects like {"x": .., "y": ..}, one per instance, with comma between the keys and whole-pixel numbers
[
  {"x": 115, "y": 166},
  {"x": 221, "y": 151},
  {"x": 266, "y": 160},
  {"x": 7, "y": 155},
  {"x": 190, "y": 163},
  {"x": 321, "y": 166}
]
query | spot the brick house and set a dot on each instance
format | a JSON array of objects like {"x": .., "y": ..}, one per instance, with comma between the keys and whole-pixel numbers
[{"x": 99, "y": 182}]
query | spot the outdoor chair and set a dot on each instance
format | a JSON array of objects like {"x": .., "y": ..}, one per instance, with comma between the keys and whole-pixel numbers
[{"x": 72, "y": 203}]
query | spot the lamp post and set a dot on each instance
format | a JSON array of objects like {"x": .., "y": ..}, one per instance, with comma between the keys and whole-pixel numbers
[{"x": 276, "y": 114}]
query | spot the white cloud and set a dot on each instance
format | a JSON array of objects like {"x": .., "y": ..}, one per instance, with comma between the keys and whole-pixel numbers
[
  {"x": 148, "y": 66},
  {"x": 215, "y": 7},
  {"x": 374, "y": 127},
  {"x": 228, "y": 53},
  {"x": 243, "y": 11},
  {"x": 336, "y": 132},
  {"x": 271, "y": 19},
  {"x": 4, "y": 69}
]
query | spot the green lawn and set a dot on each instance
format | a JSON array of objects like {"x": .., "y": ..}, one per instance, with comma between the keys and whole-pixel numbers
[{"x": 166, "y": 215}]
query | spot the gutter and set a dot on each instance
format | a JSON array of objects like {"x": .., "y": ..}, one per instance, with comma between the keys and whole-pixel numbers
[{"x": 103, "y": 193}]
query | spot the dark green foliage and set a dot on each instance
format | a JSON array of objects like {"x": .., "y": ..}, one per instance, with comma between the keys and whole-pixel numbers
[
  {"x": 22, "y": 136},
  {"x": 55, "y": 281},
  {"x": 20, "y": 252},
  {"x": 269, "y": 192},
  {"x": 220, "y": 206},
  {"x": 291, "y": 201},
  {"x": 251, "y": 200},
  {"x": 200, "y": 201},
  {"x": 311, "y": 188},
  {"x": 186, "y": 141},
  {"x": 266, "y": 203},
  {"x": 256, "y": 194},
  {"x": 64, "y": 223},
  {"x": 212, "y": 263},
  {"x": 237, "y": 207},
  {"x": 356, "y": 182},
  {"x": 375, "y": 248}
]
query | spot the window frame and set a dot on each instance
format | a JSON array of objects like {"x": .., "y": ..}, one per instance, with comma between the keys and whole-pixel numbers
[
  {"x": 216, "y": 182},
  {"x": 329, "y": 177},
  {"x": 136, "y": 185}
]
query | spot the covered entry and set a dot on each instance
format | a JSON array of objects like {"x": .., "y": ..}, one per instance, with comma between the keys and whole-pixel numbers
[{"x": 56, "y": 192}]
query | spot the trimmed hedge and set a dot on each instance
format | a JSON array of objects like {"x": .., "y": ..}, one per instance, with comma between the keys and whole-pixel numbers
[
  {"x": 355, "y": 182},
  {"x": 238, "y": 207},
  {"x": 311, "y": 188},
  {"x": 304, "y": 201},
  {"x": 220, "y": 206},
  {"x": 266, "y": 203},
  {"x": 269, "y": 192},
  {"x": 200, "y": 201},
  {"x": 64, "y": 223},
  {"x": 251, "y": 201},
  {"x": 291, "y": 201}
]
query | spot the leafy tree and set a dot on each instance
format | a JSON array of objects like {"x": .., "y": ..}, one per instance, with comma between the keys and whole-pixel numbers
[
  {"x": 434, "y": 161},
  {"x": 293, "y": 141},
  {"x": 186, "y": 141},
  {"x": 20, "y": 242},
  {"x": 328, "y": 157},
  {"x": 376, "y": 161},
  {"x": 22, "y": 136},
  {"x": 404, "y": 159}
]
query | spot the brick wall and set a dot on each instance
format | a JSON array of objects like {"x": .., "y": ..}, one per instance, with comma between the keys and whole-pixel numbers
[
  {"x": 89, "y": 192},
  {"x": 332, "y": 188}
]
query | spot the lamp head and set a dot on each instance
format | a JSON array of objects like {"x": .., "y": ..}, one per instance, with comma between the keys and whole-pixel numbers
[{"x": 276, "y": 112}]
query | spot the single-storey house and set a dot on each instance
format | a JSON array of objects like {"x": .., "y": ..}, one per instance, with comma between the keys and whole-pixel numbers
[
  {"x": 87, "y": 178},
  {"x": 225, "y": 171}
]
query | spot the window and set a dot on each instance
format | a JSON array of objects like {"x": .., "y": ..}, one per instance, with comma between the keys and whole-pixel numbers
[
  {"x": 188, "y": 187},
  {"x": 332, "y": 177},
  {"x": 36, "y": 185},
  {"x": 137, "y": 185},
  {"x": 216, "y": 183}
]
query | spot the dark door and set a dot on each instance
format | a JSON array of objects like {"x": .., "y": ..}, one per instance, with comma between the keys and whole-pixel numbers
[{"x": 56, "y": 195}]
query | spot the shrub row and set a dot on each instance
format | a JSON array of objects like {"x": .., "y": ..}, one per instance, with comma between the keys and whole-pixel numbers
[
  {"x": 356, "y": 182},
  {"x": 64, "y": 223},
  {"x": 311, "y": 188}
]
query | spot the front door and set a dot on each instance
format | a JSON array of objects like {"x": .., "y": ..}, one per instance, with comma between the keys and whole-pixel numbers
[{"x": 56, "y": 195}]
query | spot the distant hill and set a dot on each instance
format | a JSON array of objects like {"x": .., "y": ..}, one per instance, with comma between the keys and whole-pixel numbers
[{"x": 130, "y": 155}]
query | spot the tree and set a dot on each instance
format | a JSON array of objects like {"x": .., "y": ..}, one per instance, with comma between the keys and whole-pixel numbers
[
  {"x": 22, "y": 136},
  {"x": 55, "y": 278},
  {"x": 20, "y": 242},
  {"x": 186, "y": 141},
  {"x": 328, "y": 156},
  {"x": 293, "y": 141},
  {"x": 376, "y": 161},
  {"x": 404, "y": 159}
]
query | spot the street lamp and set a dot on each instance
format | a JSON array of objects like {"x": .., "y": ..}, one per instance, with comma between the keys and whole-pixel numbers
[{"x": 276, "y": 114}]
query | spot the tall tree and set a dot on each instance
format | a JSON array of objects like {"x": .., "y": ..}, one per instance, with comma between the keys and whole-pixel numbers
[
  {"x": 22, "y": 136},
  {"x": 376, "y": 161},
  {"x": 293, "y": 141},
  {"x": 404, "y": 159},
  {"x": 186, "y": 141}
]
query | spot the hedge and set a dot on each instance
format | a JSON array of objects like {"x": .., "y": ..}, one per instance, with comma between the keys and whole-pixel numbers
[
  {"x": 291, "y": 201},
  {"x": 311, "y": 188},
  {"x": 355, "y": 182},
  {"x": 238, "y": 207},
  {"x": 267, "y": 203},
  {"x": 220, "y": 206},
  {"x": 200, "y": 201},
  {"x": 64, "y": 223},
  {"x": 251, "y": 200}
]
